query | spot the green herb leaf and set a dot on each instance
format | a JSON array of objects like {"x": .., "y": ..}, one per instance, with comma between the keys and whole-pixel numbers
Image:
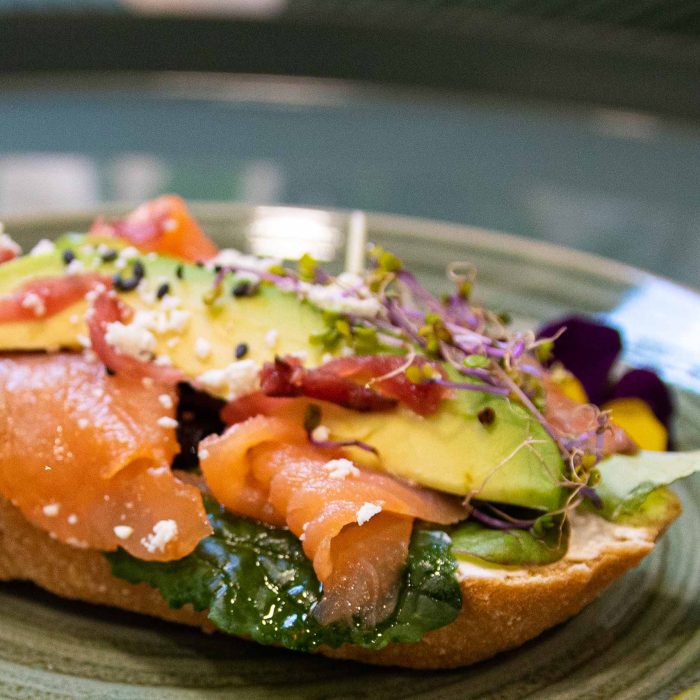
[
  {"x": 626, "y": 481},
  {"x": 256, "y": 582},
  {"x": 542, "y": 545}
]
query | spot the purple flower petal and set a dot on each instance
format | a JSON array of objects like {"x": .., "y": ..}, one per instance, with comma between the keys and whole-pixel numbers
[
  {"x": 646, "y": 385},
  {"x": 588, "y": 350}
]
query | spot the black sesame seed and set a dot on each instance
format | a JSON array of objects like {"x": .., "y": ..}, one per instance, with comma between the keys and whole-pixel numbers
[
  {"x": 109, "y": 371},
  {"x": 109, "y": 255},
  {"x": 163, "y": 290},
  {"x": 218, "y": 269},
  {"x": 126, "y": 285},
  {"x": 486, "y": 415},
  {"x": 180, "y": 272},
  {"x": 68, "y": 256},
  {"x": 242, "y": 289},
  {"x": 241, "y": 350}
]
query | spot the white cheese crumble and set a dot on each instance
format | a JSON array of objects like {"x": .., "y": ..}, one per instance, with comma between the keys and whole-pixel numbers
[
  {"x": 165, "y": 400},
  {"x": 75, "y": 267},
  {"x": 233, "y": 381},
  {"x": 34, "y": 302},
  {"x": 341, "y": 469},
  {"x": 133, "y": 339},
  {"x": 72, "y": 519},
  {"x": 203, "y": 454},
  {"x": 51, "y": 510},
  {"x": 164, "y": 531},
  {"x": 271, "y": 337},
  {"x": 43, "y": 247},
  {"x": 367, "y": 511},
  {"x": 123, "y": 532},
  {"x": 9, "y": 244},
  {"x": 202, "y": 348},
  {"x": 167, "y": 422},
  {"x": 230, "y": 257},
  {"x": 320, "y": 433},
  {"x": 83, "y": 423},
  {"x": 74, "y": 320},
  {"x": 348, "y": 294}
]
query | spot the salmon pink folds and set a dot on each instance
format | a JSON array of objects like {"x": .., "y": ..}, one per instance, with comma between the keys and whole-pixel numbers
[
  {"x": 45, "y": 296},
  {"x": 85, "y": 456},
  {"x": 354, "y": 524},
  {"x": 107, "y": 308},
  {"x": 163, "y": 225}
]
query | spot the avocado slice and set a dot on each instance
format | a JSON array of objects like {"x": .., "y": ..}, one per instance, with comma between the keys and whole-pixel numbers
[
  {"x": 269, "y": 323},
  {"x": 510, "y": 460}
]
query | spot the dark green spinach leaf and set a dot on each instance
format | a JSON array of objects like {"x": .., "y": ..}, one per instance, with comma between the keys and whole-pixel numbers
[{"x": 256, "y": 582}]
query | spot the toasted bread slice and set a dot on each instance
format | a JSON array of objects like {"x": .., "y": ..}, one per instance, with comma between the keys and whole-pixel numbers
[{"x": 502, "y": 607}]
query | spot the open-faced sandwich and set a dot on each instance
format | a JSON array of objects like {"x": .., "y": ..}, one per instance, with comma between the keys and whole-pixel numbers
[{"x": 347, "y": 465}]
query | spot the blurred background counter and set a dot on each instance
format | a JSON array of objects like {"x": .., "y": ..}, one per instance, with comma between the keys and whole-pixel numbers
[{"x": 549, "y": 120}]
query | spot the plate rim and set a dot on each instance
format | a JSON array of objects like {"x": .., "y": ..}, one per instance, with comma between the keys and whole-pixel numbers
[{"x": 424, "y": 227}]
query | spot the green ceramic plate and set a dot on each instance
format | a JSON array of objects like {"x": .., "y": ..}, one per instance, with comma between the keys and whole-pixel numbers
[{"x": 641, "y": 639}]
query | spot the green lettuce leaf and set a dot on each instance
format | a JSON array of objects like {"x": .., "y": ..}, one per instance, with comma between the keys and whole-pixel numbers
[
  {"x": 539, "y": 545},
  {"x": 256, "y": 582},
  {"x": 626, "y": 481}
]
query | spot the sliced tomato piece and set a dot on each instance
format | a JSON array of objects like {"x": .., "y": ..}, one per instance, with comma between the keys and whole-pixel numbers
[{"x": 163, "y": 225}]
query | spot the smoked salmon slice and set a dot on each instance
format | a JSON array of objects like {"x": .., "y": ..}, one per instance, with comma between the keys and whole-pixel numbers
[
  {"x": 354, "y": 524},
  {"x": 85, "y": 456},
  {"x": 163, "y": 225},
  {"x": 45, "y": 296}
]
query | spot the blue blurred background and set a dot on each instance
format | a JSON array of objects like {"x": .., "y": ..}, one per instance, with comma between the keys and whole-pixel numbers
[{"x": 553, "y": 121}]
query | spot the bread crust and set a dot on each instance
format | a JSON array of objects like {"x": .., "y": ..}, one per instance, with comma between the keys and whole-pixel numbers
[{"x": 501, "y": 608}]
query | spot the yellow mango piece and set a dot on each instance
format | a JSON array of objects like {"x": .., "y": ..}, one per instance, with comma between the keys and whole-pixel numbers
[{"x": 637, "y": 419}]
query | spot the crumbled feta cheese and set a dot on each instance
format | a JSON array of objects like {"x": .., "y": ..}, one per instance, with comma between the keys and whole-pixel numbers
[
  {"x": 72, "y": 519},
  {"x": 320, "y": 433},
  {"x": 163, "y": 361},
  {"x": 271, "y": 337},
  {"x": 343, "y": 298},
  {"x": 326, "y": 357},
  {"x": 83, "y": 423},
  {"x": 167, "y": 422},
  {"x": 203, "y": 454},
  {"x": 34, "y": 302},
  {"x": 147, "y": 382},
  {"x": 123, "y": 532},
  {"x": 164, "y": 531},
  {"x": 129, "y": 253},
  {"x": 367, "y": 511},
  {"x": 75, "y": 267},
  {"x": 74, "y": 320},
  {"x": 7, "y": 243},
  {"x": 43, "y": 247},
  {"x": 300, "y": 354},
  {"x": 165, "y": 400},
  {"x": 83, "y": 340},
  {"x": 51, "y": 510},
  {"x": 233, "y": 381},
  {"x": 202, "y": 348},
  {"x": 133, "y": 339},
  {"x": 342, "y": 469},
  {"x": 79, "y": 544},
  {"x": 230, "y": 257}
]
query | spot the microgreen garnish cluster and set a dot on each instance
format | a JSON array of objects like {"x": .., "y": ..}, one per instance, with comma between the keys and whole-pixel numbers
[{"x": 389, "y": 311}]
